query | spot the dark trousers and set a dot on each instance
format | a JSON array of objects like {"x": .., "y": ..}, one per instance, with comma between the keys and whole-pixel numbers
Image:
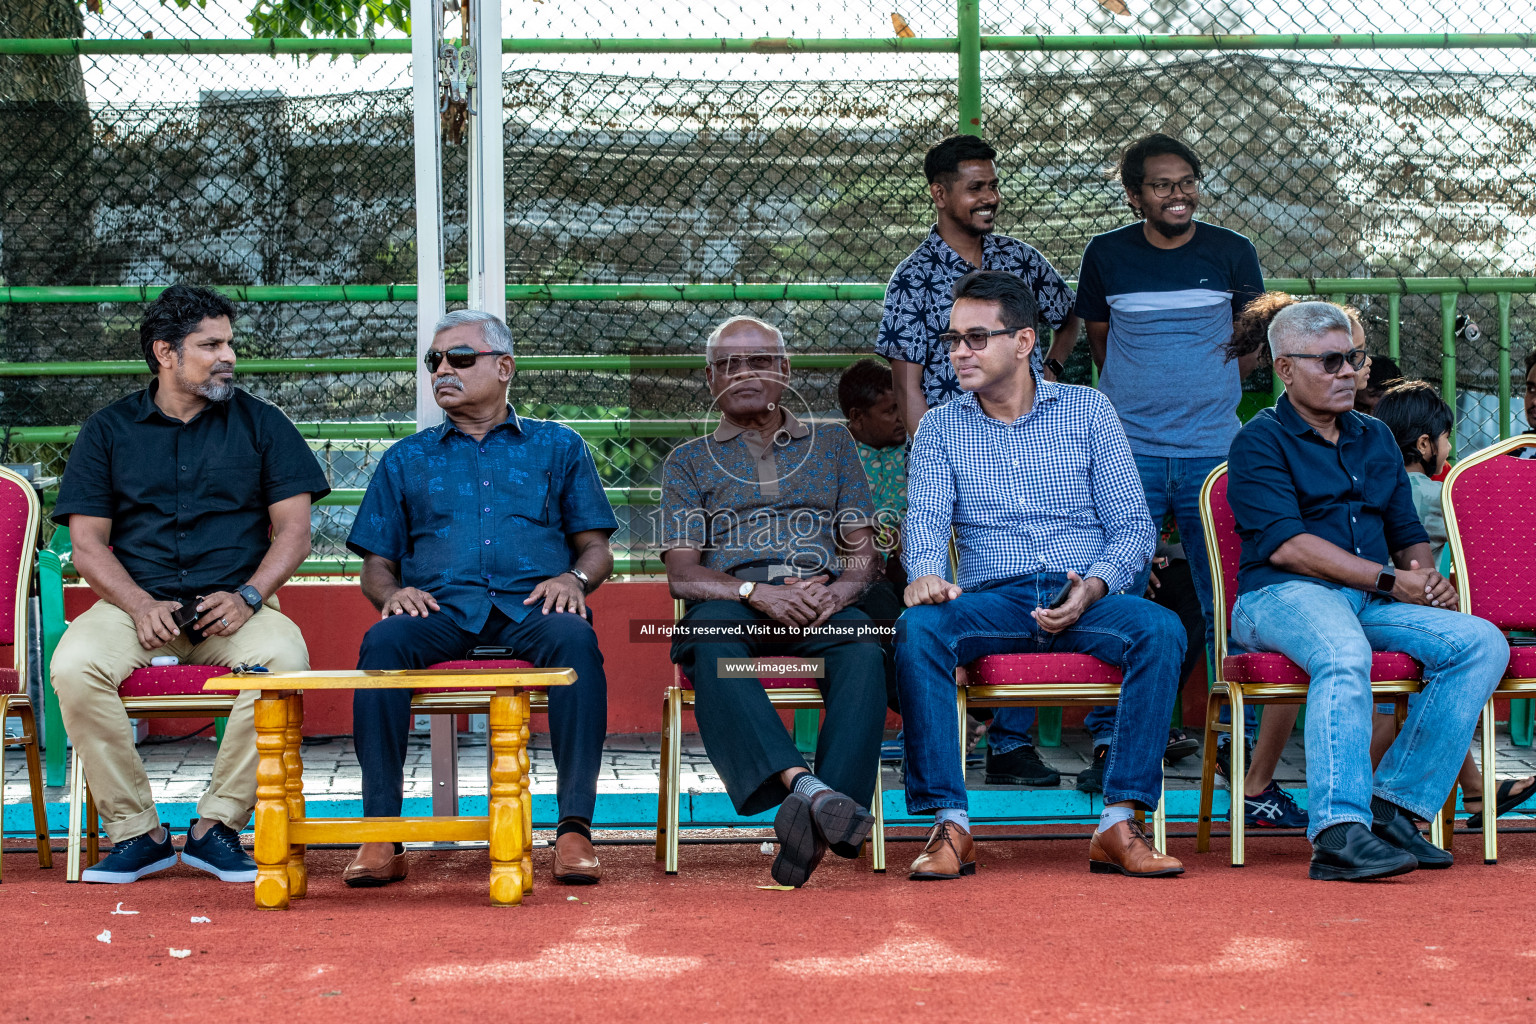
[
  {"x": 743, "y": 735},
  {"x": 578, "y": 714}
]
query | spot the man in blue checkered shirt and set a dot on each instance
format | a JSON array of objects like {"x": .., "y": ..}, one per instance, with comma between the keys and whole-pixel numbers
[{"x": 1037, "y": 482}]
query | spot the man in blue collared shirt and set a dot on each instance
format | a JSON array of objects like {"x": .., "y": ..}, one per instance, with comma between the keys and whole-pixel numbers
[
  {"x": 1336, "y": 565},
  {"x": 1038, "y": 484},
  {"x": 488, "y": 529}
]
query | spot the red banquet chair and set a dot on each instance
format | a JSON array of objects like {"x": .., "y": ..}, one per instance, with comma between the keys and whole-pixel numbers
[
  {"x": 157, "y": 691},
  {"x": 1263, "y": 678},
  {"x": 1041, "y": 681},
  {"x": 783, "y": 693},
  {"x": 19, "y": 516},
  {"x": 1493, "y": 547}
]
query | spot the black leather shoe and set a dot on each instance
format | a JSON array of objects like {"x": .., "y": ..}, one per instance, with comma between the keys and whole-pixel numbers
[
  {"x": 1364, "y": 856},
  {"x": 841, "y": 822},
  {"x": 1020, "y": 766},
  {"x": 801, "y": 846},
  {"x": 1403, "y": 834}
]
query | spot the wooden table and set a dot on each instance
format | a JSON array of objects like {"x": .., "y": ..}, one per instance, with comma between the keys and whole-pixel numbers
[{"x": 283, "y": 831}]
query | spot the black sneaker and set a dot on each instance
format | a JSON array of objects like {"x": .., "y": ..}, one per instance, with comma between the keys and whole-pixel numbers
[
  {"x": 1224, "y": 762},
  {"x": 220, "y": 854},
  {"x": 132, "y": 859},
  {"x": 1020, "y": 766},
  {"x": 1272, "y": 808},
  {"x": 1091, "y": 779},
  {"x": 1180, "y": 745}
]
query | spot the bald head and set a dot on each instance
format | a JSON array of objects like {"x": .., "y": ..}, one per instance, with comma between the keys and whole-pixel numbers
[{"x": 745, "y": 333}]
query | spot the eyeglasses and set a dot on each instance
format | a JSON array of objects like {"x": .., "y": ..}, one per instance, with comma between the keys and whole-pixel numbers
[
  {"x": 461, "y": 357},
  {"x": 1332, "y": 361},
  {"x": 755, "y": 362},
  {"x": 974, "y": 340},
  {"x": 1164, "y": 189}
]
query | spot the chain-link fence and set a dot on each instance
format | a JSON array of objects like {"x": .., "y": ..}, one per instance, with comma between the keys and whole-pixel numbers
[{"x": 627, "y": 167}]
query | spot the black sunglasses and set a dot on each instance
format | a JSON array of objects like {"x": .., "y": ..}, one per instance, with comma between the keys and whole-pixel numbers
[
  {"x": 1332, "y": 361},
  {"x": 974, "y": 340},
  {"x": 460, "y": 357}
]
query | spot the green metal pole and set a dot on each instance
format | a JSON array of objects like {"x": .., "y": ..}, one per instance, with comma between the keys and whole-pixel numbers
[
  {"x": 1448, "y": 357},
  {"x": 1504, "y": 302},
  {"x": 1394, "y": 326},
  {"x": 969, "y": 82}
]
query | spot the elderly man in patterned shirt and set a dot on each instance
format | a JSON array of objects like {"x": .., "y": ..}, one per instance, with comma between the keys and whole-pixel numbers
[
  {"x": 1038, "y": 483},
  {"x": 767, "y": 537},
  {"x": 966, "y": 191}
]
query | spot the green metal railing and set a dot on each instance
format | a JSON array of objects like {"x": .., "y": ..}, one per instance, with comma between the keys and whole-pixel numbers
[{"x": 969, "y": 39}]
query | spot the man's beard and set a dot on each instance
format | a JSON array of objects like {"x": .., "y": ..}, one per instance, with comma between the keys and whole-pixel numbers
[
  {"x": 1168, "y": 230},
  {"x": 212, "y": 390}
]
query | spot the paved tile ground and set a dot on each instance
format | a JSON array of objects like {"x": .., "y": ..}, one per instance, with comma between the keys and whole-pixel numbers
[{"x": 180, "y": 771}]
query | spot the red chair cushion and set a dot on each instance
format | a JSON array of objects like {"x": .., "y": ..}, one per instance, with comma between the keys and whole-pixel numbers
[
  {"x": 10, "y": 680},
  {"x": 473, "y": 663},
  {"x": 1522, "y": 663},
  {"x": 1037, "y": 669},
  {"x": 768, "y": 682},
  {"x": 17, "y": 499},
  {"x": 170, "y": 680},
  {"x": 1386, "y": 667}
]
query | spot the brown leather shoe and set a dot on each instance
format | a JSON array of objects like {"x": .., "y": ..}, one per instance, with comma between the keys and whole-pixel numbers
[
  {"x": 375, "y": 864},
  {"x": 949, "y": 853},
  {"x": 1126, "y": 849},
  {"x": 576, "y": 861}
]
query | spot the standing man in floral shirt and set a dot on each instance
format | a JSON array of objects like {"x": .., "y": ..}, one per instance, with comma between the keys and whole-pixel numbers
[{"x": 963, "y": 181}]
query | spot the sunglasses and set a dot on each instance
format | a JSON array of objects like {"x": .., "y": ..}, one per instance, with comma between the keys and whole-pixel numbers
[
  {"x": 1333, "y": 361},
  {"x": 461, "y": 357},
  {"x": 974, "y": 340}
]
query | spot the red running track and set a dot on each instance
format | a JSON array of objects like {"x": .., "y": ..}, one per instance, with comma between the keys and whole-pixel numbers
[{"x": 1032, "y": 937}]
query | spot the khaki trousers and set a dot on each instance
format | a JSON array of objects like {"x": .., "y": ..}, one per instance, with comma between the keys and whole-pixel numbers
[{"x": 98, "y": 651}]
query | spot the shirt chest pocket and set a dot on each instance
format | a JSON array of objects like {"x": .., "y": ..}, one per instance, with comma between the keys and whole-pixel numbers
[
  {"x": 231, "y": 482},
  {"x": 530, "y": 497}
]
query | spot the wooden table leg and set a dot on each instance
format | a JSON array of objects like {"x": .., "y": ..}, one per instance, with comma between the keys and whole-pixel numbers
[
  {"x": 293, "y": 767},
  {"x": 525, "y": 709},
  {"x": 271, "y": 802},
  {"x": 507, "y": 839}
]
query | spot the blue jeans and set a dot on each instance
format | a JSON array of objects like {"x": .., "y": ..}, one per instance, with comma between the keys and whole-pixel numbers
[
  {"x": 1144, "y": 641},
  {"x": 1173, "y": 487},
  {"x": 1331, "y": 634}
]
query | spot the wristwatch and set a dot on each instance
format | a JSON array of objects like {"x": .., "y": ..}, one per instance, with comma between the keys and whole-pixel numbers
[
  {"x": 1056, "y": 368},
  {"x": 745, "y": 590},
  {"x": 251, "y": 596},
  {"x": 1386, "y": 580},
  {"x": 583, "y": 579}
]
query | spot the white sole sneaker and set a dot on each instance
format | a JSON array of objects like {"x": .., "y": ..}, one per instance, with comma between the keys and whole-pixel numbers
[
  {"x": 222, "y": 875},
  {"x": 95, "y": 874}
]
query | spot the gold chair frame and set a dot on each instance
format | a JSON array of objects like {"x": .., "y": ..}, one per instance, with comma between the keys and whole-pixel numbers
[{"x": 19, "y": 702}]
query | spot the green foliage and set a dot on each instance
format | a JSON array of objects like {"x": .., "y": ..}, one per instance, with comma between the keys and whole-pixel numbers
[{"x": 335, "y": 19}]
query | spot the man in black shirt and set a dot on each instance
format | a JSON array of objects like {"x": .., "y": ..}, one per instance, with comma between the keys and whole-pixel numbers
[{"x": 190, "y": 494}]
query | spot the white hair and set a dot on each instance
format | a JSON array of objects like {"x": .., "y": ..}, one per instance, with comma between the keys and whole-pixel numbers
[
  {"x": 1301, "y": 322},
  {"x": 496, "y": 334},
  {"x": 718, "y": 332}
]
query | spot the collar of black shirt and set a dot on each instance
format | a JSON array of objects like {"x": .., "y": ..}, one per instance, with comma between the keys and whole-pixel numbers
[
  {"x": 1350, "y": 422},
  {"x": 148, "y": 410}
]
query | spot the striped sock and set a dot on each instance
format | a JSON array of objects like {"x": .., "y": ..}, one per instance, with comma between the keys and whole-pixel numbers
[{"x": 808, "y": 785}]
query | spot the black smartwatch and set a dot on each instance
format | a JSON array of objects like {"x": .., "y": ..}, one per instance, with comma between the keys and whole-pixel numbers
[
  {"x": 251, "y": 596},
  {"x": 1386, "y": 580},
  {"x": 1056, "y": 368}
]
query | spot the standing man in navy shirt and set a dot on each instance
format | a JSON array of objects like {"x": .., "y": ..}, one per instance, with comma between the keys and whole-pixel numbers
[
  {"x": 486, "y": 529},
  {"x": 966, "y": 191},
  {"x": 1158, "y": 298}
]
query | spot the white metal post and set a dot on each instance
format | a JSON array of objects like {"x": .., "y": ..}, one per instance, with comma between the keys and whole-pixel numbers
[
  {"x": 426, "y": 30},
  {"x": 487, "y": 217}
]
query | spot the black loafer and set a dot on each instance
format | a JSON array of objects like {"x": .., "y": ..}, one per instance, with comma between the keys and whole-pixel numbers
[
  {"x": 1365, "y": 856},
  {"x": 800, "y": 844},
  {"x": 842, "y": 823},
  {"x": 1403, "y": 834}
]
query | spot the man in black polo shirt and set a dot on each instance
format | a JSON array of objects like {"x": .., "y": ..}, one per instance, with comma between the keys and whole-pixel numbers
[
  {"x": 188, "y": 495},
  {"x": 1335, "y": 565}
]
